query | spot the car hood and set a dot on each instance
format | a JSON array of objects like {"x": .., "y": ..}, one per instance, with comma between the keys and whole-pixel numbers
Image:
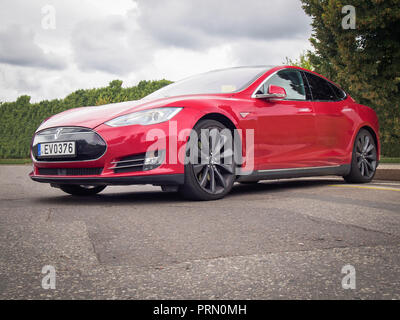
[{"x": 91, "y": 117}]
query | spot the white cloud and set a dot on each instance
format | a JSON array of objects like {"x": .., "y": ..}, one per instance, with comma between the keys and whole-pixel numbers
[
  {"x": 112, "y": 44},
  {"x": 272, "y": 52},
  {"x": 196, "y": 24},
  {"x": 96, "y": 41},
  {"x": 17, "y": 47}
]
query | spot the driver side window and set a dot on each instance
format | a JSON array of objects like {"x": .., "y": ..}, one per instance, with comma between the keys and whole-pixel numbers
[{"x": 291, "y": 81}]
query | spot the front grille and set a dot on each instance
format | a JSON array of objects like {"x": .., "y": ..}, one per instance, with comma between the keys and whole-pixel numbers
[
  {"x": 129, "y": 164},
  {"x": 89, "y": 144},
  {"x": 70, "y": 171}
]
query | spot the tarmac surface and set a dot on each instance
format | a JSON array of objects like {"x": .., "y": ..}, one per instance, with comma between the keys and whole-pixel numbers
[{"x": 286, "y": 239}]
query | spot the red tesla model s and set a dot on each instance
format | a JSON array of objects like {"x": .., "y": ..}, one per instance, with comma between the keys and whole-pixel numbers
[{"x": 201, "y": 134}]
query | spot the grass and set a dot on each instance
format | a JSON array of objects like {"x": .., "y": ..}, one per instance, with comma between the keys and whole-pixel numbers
[
  {"x": 15, "y": 161},
  {"x": 389, "y": 160}
]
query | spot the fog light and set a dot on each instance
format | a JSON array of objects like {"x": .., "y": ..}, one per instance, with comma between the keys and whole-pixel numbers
[{"x": 153, "y": 159}]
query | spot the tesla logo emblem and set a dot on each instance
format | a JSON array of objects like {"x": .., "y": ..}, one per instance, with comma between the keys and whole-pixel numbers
[
  {"x": 244, "y": 114},
  {"x": 57, "y": 134}
]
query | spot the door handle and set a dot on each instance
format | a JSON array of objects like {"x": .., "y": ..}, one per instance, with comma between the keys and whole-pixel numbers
[{"x": 305, "y": 110}]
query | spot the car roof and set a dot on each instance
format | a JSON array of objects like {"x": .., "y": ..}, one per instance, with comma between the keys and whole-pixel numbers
[{"x": 265, "y": 67}]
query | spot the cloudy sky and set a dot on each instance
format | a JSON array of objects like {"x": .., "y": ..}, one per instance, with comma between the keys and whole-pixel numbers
[{"x": 50, "y": 48}]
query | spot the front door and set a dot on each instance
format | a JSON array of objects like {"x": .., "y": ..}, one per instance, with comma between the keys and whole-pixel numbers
[{"x": 286, "y": 134}]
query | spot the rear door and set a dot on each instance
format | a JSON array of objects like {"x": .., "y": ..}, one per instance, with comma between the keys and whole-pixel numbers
[
  {"x": 285, "y": 135},
  {"x": 334, "y": 120}
]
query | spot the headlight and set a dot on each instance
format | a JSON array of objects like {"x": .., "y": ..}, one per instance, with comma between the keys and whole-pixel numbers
[{"x": 145, "y": 117}]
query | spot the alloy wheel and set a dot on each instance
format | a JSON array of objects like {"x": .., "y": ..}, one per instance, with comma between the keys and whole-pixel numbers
[
  {"x": 366, "y": 156},
  {"x": 214, "y": 168}
]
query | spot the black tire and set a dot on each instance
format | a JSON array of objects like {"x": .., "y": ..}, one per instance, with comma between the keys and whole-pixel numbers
[
  {"x": 214, "y": 179},
  {"x": 81, "y": 190},
  {"x": 364, "y": 159}
]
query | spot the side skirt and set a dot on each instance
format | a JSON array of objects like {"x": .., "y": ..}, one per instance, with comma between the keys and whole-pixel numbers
[{"x": 340, "y": 170}]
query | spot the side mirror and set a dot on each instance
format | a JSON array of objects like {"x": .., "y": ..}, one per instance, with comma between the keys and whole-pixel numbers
[{"x": 274, "y": 92}]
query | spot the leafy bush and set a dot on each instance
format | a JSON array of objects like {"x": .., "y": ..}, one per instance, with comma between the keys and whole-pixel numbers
[{"x": 19, "y": 119}]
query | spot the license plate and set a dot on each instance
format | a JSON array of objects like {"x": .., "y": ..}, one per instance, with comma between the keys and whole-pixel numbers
[{"x": 57, "y": 149}]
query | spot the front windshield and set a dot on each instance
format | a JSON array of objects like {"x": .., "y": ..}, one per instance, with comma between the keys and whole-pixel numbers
[{"x": 219, "y": 81}]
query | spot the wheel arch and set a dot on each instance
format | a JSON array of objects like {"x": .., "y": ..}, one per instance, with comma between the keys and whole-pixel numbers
[
  {"x": 230, "y": 125},
  {"x": 220, "y": 118},
  {"x": 374, "y": 135}
]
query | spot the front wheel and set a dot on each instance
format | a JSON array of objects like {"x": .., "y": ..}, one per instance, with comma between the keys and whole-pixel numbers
[
  {"x": 210, "y": 167},
  {"x": 364, "y": 159},
  {"x": 81, "y": 190}
]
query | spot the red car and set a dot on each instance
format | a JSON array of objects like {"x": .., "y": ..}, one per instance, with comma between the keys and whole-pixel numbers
[{"x": 201, "y": 134}]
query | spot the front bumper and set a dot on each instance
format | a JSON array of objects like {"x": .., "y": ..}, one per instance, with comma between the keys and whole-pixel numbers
[
  {"x": 161, "y": 180},
  {"x": 124, "y": 143}
]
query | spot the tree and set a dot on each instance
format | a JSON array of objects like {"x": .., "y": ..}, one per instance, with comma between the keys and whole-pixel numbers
[
  {"x": 303, "y": 61},
  {"x": 115, "y": 84},
  {"x": 365, "y": 61},
  {"x": 23, "y": 100}
]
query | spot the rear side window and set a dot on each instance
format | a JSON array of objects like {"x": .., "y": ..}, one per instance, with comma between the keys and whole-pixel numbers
[
  {"x": 320, "y": 88},
  {"x": 340, "y": 94},
  {"x": 291, "y": 81}
]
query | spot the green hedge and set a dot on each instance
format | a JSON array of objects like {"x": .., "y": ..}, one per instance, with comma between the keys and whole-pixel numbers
[{"x": 20, "y": 119}]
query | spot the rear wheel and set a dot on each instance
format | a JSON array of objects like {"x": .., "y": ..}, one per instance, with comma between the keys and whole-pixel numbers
[
  {"x": 210, "y": 168},
  {"x": 364, "y": 159},
  {"x": 81, "y": 190}
]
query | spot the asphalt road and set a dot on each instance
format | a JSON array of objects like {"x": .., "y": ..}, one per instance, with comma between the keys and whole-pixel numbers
[{"x": 275, "y": 240}]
